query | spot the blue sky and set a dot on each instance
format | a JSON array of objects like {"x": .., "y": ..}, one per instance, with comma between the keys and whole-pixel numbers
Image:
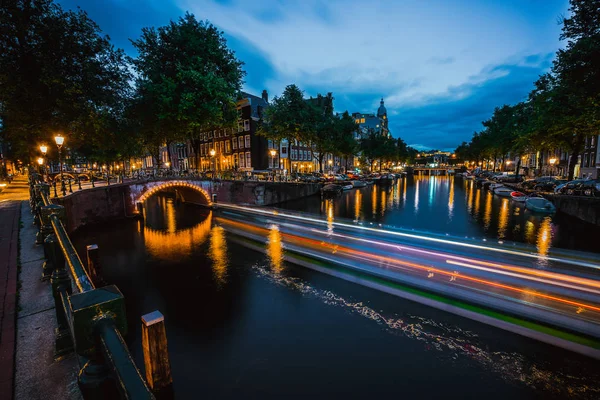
[{"x": 441, "y": 65}]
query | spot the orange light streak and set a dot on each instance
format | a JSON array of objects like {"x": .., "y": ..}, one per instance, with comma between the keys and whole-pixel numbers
[{"x": 428, "y": 269}]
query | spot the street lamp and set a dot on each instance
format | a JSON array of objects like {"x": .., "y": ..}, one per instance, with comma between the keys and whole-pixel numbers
[
  {"x": 40, "y": 161},
  {"x": 212, "y": 153},
  {"x": 330, "y": 162},
  {"x": 552, "y": 161},
  {"x": 44, "y": 150},
  {"x": 59, "y": 143}
]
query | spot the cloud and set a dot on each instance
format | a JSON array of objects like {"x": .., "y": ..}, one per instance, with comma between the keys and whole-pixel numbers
[{"x": 442, "y": 66}]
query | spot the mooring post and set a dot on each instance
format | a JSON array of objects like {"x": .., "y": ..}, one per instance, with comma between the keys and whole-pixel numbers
[
  {"x": 156, "y": 354},
  {"x": 93, "y": 265}
]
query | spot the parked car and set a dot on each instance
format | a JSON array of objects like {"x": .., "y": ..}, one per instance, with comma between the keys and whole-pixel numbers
[
  {"x": 548, "y": 186},
  {"x": 569, "y": 188},
  {"x": 531, "y": 183},
  {"x": 591, "y": 187}
]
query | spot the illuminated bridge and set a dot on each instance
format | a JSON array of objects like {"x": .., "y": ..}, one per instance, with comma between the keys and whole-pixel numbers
[{"x": 553, "y": 298}]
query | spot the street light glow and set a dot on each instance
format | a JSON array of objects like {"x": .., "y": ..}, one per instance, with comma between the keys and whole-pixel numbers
[
  {"x": 552, "y": 161},
  {"x": 40, "y": 161},
  {"x": 43, "y": 149},
  {"x": 59, "y": 140},
  {"x": 212, "y": 152},
  {"x": 273, "y": 152}
]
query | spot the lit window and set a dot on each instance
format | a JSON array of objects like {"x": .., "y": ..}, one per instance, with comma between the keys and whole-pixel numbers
[
  {"x": 235, "y": 160},
  {"x": 362, "y": 120},
  {"x": 227, "y": 146},
  {"x": 248, "y": 159},
  {"x": 247, "y": 137}
]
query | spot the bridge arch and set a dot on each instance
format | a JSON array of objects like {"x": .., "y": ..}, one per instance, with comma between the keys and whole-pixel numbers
[{"x": 174, "y": 184}]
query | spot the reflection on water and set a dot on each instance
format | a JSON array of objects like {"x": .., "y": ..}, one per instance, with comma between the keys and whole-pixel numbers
[
  {"x": 544, "y": 237},
  {"x": 217, "y": 252},
  {"x": 451, "y": 200},
  {"x": 170, "y": 242},
  {"x": 487, "y": 215},
  {"x": 275, "y": 249},
  {"x": 503, "y": 218},
  {"x": 457, "y": 207}
]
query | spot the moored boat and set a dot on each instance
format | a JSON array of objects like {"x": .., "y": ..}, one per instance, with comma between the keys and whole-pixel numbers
[
  {"x": 359, "y": 184},
  {"x": 347, "y": 186},
  {"x": 503, "y": 191},
  {"x": 518, "y": 196},
  {"x": 331, "y": 190},
  {"x": 540, "y": 204}
]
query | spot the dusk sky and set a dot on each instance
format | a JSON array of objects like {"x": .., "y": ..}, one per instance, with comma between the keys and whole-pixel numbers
[{"x": 440, "y": 65}]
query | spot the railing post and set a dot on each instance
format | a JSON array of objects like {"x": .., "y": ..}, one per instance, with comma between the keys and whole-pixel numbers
[
  {"x": 94, "y": 268},
  {"x": 88, "y": 310},
  {"x": 61, "y": 284},
  {"x": 45, "y": 230},
  {"x": 156, "y": 354}
]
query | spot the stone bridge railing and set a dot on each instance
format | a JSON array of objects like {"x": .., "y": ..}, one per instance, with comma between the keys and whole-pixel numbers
[{"x": 122, "y": 200}]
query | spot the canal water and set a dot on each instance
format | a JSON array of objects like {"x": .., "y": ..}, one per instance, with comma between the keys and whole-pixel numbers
[{"x": 244, "y": 324}]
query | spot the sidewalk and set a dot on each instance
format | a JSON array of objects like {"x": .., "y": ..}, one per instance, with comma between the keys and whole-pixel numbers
[
  {"x": 9, "y": 236},
  {"x": 27, "y": 366}
]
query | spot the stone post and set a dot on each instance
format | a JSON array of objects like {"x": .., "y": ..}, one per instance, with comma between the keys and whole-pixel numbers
[{"x": 156, "y": 354}]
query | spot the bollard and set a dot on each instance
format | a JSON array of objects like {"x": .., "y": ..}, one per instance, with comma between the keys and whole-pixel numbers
[
  {"x": 94, "y": 268},
  {"x": 92, "y": 179},
  {"x": 54, "y": 186},
  {"x": 79, "y": 182},
  {"x": 70, "y": 185},
  {"x": 156, "y": 354},
  {"x": 63, "y": 187}
]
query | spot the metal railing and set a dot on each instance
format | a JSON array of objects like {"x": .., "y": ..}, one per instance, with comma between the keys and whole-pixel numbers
[{"x": 91, "y": 321}]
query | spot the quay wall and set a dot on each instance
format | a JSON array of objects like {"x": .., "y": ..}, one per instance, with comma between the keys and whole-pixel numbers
[
  {"x": 117, "y": 201},
  {"x": 584, "y": 208}
]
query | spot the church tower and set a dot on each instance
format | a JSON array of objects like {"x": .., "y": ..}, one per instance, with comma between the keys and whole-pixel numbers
[{"x": 382, "y": 114}]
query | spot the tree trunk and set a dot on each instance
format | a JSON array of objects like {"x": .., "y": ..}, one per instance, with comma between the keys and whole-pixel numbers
[
  {"x": 577, "y": 144},
  {"x": 320, "y": 159},
  {"x": 518, "y": 166}
]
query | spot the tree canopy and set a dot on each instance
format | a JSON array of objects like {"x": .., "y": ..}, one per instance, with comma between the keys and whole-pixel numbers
[{"x": 58, "y": 73}]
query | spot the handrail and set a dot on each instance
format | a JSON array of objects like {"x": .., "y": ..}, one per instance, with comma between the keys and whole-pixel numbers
[
  {"x": 116, "y": 353},
  {"x": 103, "y": 322},
  {"x": 82, "y": 280}
]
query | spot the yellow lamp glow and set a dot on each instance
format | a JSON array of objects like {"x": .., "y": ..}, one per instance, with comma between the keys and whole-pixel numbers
[
  {"x": 59, "y": 139},
  {"x": 43, "y": 149}
]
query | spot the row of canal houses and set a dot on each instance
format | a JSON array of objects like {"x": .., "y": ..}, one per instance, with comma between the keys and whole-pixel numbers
[
  {"x": 556, "y": 162},
  {"x": 239, "y": 148}
]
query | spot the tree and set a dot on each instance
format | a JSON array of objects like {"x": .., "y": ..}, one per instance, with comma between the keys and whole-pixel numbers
[
  {"x": 187, "y": 81},
  {"x": 57, "y": 74}
]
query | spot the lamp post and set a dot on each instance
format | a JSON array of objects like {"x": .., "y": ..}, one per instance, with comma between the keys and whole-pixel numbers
[
  {"x": 552, "y": 161},
  {"x": 273, "y": 152},
  {"x": 40, "y": 161},
  {"x": 59, "y": 143},
  {"x": 214, "y": 166},
  {"x": 44, "y": 150}
]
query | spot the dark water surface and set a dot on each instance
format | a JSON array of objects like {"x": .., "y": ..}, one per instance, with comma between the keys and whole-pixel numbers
[{"x": 243, "y": 324}]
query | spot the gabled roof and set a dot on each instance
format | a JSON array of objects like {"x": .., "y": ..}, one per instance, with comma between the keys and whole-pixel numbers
[{"x": 255, "y": 102}]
